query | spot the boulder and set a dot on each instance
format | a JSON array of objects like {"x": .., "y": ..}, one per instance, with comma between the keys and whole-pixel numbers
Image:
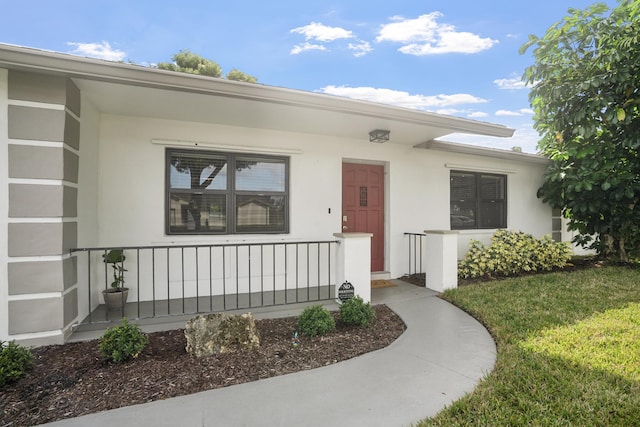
[{"x": 216, "y": 333}]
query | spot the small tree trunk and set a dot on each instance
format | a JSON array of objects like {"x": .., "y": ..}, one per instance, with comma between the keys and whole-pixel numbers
[
  {"x": 622, "y": 252},
  {"x": 609, "y": 244}
]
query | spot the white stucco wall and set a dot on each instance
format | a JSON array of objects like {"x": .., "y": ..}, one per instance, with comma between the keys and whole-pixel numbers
[{"x": 131, "y": 185}]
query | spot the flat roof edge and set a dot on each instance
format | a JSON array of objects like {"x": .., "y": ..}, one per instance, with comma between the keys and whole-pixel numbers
[{"x": 483, "y": 151}]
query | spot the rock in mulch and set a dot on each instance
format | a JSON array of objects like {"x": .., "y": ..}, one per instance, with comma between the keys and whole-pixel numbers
[{"x": 216, "y": 333}]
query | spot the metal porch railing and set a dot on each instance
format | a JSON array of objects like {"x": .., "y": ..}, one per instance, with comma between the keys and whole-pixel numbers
[
  {"x": 416, "y": 248},
  {"x": 190, "y": 279}
]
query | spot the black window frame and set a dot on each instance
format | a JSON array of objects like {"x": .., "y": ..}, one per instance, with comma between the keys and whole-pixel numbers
[
  {"x": 477, "y": 203},
  {"x": 230, "y": 193}
]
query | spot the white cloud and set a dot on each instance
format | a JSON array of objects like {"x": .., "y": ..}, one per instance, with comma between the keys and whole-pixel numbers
[
  {"x": 512, "y": 83},
  {"x": 448, "y": 111},
  {"x": 520, "y": 112},
  {"x": 425, "y": 36},
  {"x": 306, "y": 46},
  {"x": 322, "y": 33},
  {"x": 507, "y": 113},
  {"x": 361, "y": 48},
  {"x": 402, "y": 99},
  {"x": 477, "y": 115},
  {"x": 97, "y": 50}
]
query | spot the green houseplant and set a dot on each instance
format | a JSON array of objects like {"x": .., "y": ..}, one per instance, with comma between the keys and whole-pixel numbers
[{"x": 116, "y": 296}]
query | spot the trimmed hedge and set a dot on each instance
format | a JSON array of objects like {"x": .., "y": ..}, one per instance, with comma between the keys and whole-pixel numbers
[
  {"x": 121, "y": 343},
  {"x": 355, "y": 312},
  {"x": 315, "y": 320}
]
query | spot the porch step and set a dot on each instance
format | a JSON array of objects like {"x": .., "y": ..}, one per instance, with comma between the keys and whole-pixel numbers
[{"x": 380, "y": 275}]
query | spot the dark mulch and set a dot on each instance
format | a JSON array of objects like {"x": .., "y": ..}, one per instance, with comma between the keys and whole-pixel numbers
[{"x": 72, "y": 379}]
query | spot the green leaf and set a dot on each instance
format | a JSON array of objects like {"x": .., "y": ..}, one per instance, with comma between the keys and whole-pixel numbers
[{"x": 629, "y": 193}]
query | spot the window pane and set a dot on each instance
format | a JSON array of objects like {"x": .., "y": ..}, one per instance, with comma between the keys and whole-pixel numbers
[
  {"x": 197, "y": 213},
  {"x": 204, "y": 186},
  {"x": 260, "y": 213},
  {"x": 492, "y": 187},
  {"x": 198, "y": 171},
  {"x": 260, "y": 175},
  {"x": 463, "y": 187},
  {"x": 463, "y": 215},
  {"x": 492, "y": 215}
]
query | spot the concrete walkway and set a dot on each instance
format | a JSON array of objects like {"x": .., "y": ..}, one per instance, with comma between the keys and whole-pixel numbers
[{"x": 441, "y": 356}]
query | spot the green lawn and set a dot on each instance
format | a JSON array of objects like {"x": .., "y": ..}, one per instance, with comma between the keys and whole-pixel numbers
[{"x": 568, "y": 351}]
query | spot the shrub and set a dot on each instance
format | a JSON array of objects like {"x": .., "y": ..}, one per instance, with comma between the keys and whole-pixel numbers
[
  {"x": 355, "y": 312},
  {"x": 120, "y": 343},
  {"x": 512, "y": 253},
  {"x": 15, "y": 361},
  {"x": 315, "y": 320}
]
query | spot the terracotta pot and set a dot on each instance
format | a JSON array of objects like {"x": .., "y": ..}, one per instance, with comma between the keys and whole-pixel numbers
[{"x": 115, "y": 298}]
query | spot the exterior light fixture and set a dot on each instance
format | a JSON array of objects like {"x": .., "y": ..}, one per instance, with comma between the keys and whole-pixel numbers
[{"x": 379, "y": 135}]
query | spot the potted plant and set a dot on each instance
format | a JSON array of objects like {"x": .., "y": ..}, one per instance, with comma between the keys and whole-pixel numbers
[{"x": 116, "y": 296}]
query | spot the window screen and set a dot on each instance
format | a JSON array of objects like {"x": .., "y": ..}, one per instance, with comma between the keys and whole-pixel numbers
[
  {"x": 477, "y": 200},
  {"x": 223, "y": 193}
]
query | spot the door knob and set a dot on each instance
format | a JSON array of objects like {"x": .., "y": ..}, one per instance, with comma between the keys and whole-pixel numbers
[{"x": 344, "y": 227}]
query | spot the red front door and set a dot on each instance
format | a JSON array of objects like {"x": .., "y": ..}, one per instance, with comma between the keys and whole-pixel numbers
[{"x": 363, "y": 206}]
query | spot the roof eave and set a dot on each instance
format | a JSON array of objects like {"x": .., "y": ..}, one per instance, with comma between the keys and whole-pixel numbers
[
  {"x": 30, "y": 59},
  {"x": 474, "y": 150}
]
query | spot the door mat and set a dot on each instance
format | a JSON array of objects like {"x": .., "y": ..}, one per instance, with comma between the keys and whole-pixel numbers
[{"x": 375, "y": 284}]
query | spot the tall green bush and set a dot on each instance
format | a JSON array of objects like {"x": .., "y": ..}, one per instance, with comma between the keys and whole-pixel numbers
[
  {"x": 512, "y": 253},
  {"x": 15, "y": 361}
]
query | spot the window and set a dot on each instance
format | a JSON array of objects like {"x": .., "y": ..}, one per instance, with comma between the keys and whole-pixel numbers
[
  {"x": 223, "y": 193},
  {"x": 478, "y": 200}
]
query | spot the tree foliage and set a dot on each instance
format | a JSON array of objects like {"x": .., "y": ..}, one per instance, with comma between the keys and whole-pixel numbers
[
  {"x": 586, "y": 97},
  {"x": 186, "y": 61},
  {"x": 238, "y": 75}
]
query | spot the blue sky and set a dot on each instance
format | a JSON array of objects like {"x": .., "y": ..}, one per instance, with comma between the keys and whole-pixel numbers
[{"x": 453, "y": 57}]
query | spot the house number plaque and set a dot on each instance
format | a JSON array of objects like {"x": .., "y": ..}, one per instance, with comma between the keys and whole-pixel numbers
[{"x": 346, "y": 291}]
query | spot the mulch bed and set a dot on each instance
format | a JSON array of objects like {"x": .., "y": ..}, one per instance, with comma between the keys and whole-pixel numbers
[{"x": 72, "y": 379}]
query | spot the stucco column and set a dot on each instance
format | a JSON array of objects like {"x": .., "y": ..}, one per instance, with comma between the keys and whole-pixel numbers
[
  {"x": 43, "y": 143},
  {"x": 354, "y": 263},
  {"x": 441, "y": 259}
]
